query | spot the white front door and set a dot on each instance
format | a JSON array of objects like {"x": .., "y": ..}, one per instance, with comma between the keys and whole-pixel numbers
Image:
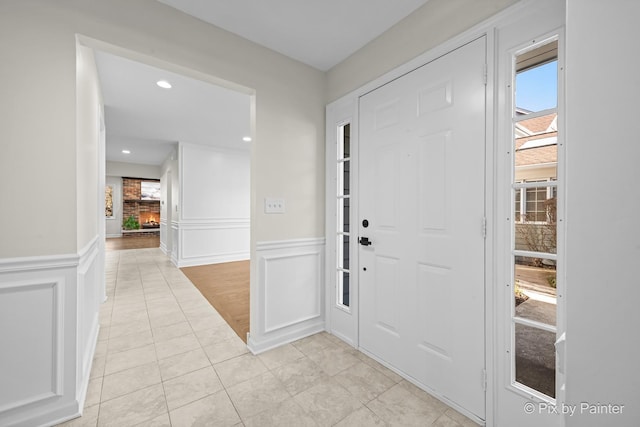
[{"x": 422, "y": 196}]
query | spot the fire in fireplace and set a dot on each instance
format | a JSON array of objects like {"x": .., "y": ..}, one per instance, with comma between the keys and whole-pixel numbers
[{"x": 149, "y": 220}]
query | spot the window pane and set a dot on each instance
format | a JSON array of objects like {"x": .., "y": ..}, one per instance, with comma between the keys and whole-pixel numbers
[
  {"x": 536, "y": 359},
  {"x": 517, "y": 197},
  {"x": 346, "y": 141},
  {"x": 529, "y": 97},
  {"x": 345, "y": 288},
  {"x": 346, "y": 178},
  {"x": 535, "y": 289},
  {"x": 345, "y": 252},
  {"x": 345, "y": 215},
  {"x": 538, "y": 232}
]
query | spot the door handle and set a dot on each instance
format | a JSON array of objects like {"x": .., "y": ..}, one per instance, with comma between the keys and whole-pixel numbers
[{"x": 364, "y": 241}]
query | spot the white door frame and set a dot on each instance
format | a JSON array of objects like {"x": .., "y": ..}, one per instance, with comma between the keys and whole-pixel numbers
[{"x": 345, "y": 109}]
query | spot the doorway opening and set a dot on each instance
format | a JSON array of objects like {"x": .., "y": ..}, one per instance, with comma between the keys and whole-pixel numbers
[{"x": 194, "y": 137}]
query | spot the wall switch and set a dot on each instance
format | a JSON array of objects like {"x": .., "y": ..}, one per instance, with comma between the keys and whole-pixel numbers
[{"x": 272, "y": 205}]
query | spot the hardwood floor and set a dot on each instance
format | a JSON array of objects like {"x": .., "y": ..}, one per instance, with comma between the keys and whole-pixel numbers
[
  {"x": 141, "y": 242},
  {"x": 226, "y": 287}
]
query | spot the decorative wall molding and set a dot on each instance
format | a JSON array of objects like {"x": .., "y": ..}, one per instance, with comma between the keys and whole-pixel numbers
[
  {"x": 212, "y": 241},
  {"x": 90, "y": 294},
  {"x": 287, "y": 292},
  {"x": 214, "y": 223},
  {"x": 37, "y": 368},
  {"x": 49, "y": 309},
  {"x": 45, "y": 262}
]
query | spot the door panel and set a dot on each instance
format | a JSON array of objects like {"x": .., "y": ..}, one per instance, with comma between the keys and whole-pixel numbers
[{"x": 421, "y": 180}]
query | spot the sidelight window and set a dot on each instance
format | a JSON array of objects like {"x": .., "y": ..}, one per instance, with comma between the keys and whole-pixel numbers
[
  {"x": 343, "y": 210},
  {"x": 535, "y": 197}
]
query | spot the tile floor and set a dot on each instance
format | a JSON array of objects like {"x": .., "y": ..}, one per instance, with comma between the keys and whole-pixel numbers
[{"x": 165, "y": 357}]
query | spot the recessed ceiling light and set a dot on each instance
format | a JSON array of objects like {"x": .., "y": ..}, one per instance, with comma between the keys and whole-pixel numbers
[
  {"x": 246, "y": 138},
  {"x": 126, "y": 152},
  {"x": 164, "y": 84}
]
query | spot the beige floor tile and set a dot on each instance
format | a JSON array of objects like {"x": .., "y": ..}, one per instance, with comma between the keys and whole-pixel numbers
[
  {"x": 280, "y": 356},
  {"x": 239, "y": 369},
  {"x": 285, "y": 414},
  {"x": 459, "y": 418},
  {"x": 130, "y": 359},
  {"x": 257, "y": 394},
  {"x": 423, "y": 395},
  {"x": 220, "y": 351},
  {"x": 94, "y": 391},
  {"x": 299, "y": 375},
  {"x": 89, "y": 418},
  {"x": 445, "y": 421},
  {"x": 166, "y": 333},
  {"x": 363, "y": 417},
  {"x": 120, "y": 317},
  {"x": 101, "y": 348},
  {"x": 327, "y": 402},
  {"x": 191, "y": 387},
  {"x": 130, "y": 380},
  {"x": 97, "y": 367},
  {"x": 103, "y": 335},
  {"x": 312, "y": 344},
  {"x": 205, "y": 321},
  {"x": 216, "y": 334},
  {"x": 214, "y": 410},
  {"x": 379, "y": 367},
  {"x": 364, "y": 382},
  {"x": 183, "y": 363},
  {"x": 159, "y": 421},
  {"x": 130, "y": 341},
  {"x": 133, "y": 408},
  {"x": 116, "y": 331},
  {"x": 398, "y": 406},
  {"x": 177, "y": 345},
  {"x": 333, "y": 359},
  {"x": 167, "y": 319}
]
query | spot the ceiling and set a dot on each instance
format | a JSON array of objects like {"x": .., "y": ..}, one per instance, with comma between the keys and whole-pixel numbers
[
  {"x": 149, "y": 121},
  {"x": 320, "y": 33}
]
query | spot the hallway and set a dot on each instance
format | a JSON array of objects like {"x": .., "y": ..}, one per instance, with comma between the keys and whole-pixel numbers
[{"x": 165, "y": 357}]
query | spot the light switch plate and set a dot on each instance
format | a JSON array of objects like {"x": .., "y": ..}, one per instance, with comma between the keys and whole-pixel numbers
[{"x": 273, "y": 206}]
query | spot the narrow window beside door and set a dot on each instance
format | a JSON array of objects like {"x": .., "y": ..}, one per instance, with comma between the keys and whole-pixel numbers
[
  {"x": 534, "y": 254},
  {"x": 343, "y": 204}
]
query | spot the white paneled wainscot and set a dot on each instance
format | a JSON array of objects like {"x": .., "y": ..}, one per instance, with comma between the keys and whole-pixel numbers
[
  {"x": 287, "y": 292},
  {"x": 210, "y": 219},
  {"x": 49, "y": 309}
]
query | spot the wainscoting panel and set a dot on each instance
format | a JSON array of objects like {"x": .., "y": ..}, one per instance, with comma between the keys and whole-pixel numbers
[
  {"x": 163, "y": 235},
  {"x": 213, "y": 241},
  {"x": 175, "y": 242},
  {"x": 90, "y": 296},
  {"x": 30, "y": 356},
  {"x": 287, "y": 292},
  {"x": 49, "y": 324},
  {"x": 37, "y": 332}
]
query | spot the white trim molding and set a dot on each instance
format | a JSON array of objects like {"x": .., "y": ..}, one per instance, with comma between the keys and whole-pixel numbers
[
  {"x": 287, "y": 294},
  {"x": 49, "y": 309},
  {"x": 200, "y": 242}
]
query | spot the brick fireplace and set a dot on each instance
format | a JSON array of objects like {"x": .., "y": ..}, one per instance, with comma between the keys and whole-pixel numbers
[{"x": 146, "y": 212}]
